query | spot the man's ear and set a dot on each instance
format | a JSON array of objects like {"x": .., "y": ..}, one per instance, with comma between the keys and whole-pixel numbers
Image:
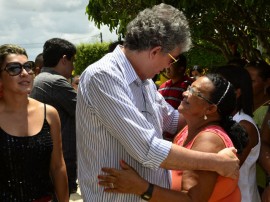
[
  {"x": 64, "y": 59},
  {"x": 154, "y": 51}
]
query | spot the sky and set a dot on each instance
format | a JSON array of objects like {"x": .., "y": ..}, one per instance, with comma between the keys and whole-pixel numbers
[{"x": 29, "y": 23}]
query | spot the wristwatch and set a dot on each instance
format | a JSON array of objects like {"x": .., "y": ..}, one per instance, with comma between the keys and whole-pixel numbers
[{"x": 148, "y": 194}]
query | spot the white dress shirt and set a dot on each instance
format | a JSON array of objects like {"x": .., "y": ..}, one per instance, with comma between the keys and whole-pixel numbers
[{"x": 119, "y": 116}]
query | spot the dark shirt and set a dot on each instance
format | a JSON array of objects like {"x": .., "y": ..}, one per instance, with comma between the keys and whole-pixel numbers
[
  {"x": 25, "y": 166},
  {"x": 53, "y": 89}
]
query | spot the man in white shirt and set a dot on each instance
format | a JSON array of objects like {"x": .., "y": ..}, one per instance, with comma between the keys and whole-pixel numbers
[{"x": 120, "y": 114}]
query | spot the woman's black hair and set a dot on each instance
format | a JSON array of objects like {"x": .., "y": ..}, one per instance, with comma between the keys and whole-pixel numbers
[
  {"x": 240, "y": 79},
  {"x": 262, "y": 67},
  {"x": 263, "y": 70},
  {"x": 225, "y": 98}
]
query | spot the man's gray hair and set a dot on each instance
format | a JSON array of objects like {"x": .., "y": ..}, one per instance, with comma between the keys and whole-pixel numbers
[{"x": 163, "y": 25}]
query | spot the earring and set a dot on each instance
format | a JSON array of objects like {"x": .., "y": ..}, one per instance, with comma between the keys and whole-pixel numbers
[{"x": 205, "y": 117}]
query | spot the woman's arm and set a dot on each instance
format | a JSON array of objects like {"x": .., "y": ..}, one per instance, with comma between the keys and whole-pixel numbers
[
  {"x": 57, "y": 166},
  {"x": 128, "y": 180},
  {"x": 197, "y": 185},
  {"x": 265, "y": 153},
  {"x": 253, "y": 138}
]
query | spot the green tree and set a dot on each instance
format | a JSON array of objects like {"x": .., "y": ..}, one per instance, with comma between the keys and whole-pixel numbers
[
  {"x": 88, "y": 54},
  {"x": 215, "y": 25}
]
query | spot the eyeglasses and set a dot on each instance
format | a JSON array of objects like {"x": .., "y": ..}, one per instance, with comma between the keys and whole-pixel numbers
[
  {"x": 191, "y": 91},
  {"x": 16, "y": 68},
  {"x": 174, "y": 60}
]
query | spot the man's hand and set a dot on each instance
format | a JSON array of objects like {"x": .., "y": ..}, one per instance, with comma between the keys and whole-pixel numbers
[
  {"x": 126, "y": 180},
  {"x": 230, "y": 165}
]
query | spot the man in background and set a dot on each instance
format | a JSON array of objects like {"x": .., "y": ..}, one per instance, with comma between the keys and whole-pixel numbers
[
  {"x": 173, "y": 89},
  {"x": 38, "y": 63},
  {"x": 52, "y": 87}
]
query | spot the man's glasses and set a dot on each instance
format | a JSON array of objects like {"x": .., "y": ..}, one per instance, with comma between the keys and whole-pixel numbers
[
  {"x": 16, "y": 68},
  {"x": 191, "y": 91},
  {"x": 174, "y": 60}
]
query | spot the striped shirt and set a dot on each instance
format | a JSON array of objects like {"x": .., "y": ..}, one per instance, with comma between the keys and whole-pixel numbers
[
  {"x": 119, "y": 116},
  {"x": 173, "y": 92}
]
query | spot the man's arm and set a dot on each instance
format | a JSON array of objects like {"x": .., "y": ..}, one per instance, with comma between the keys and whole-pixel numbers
[
  {"x": 65, "y": 96},
  {"x": 224, "y": 163}
]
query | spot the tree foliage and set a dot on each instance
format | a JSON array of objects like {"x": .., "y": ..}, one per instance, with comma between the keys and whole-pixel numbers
[
  {"x": 215, "y": 25},
  {"x": 88, "y": 54}
]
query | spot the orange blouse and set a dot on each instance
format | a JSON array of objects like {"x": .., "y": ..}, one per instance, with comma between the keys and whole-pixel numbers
[{"x": 226, "y": 189}]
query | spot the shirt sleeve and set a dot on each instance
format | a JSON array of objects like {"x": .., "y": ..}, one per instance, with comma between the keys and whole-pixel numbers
[{"x": 65, "y": 96}]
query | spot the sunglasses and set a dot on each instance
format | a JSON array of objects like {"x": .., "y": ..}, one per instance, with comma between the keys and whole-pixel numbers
[
  {"x": 174, "y": 60},
  {"x": 16, "y": 68},
  {"x": 191, "y": 91}
]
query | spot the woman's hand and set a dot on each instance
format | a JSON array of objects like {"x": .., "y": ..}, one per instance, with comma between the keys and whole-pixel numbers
[
  {"x": 126, "y": 180},
  {"x": 266, "y": 195}
]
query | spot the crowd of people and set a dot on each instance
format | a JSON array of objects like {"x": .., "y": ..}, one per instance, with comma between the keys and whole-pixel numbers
[{"x": 195, "y": 137}]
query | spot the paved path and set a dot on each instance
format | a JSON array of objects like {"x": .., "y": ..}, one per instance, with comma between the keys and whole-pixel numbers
[{"x": 76, "y": 197}]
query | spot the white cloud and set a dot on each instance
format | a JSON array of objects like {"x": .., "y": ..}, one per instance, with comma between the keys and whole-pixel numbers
[{"x": 30, "y": 23}]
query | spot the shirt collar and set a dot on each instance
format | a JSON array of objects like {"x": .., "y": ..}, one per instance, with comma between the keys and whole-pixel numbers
[
  {"x": 49, "y": 70},
  {"x": 125, "y": 65}
]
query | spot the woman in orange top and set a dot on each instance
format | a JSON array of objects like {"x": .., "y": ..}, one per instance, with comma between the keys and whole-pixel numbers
[{"x": 206, "y": 106}]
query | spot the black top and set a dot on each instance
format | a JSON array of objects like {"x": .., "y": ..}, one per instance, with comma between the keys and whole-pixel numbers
[{"x": 25, "y": 166}]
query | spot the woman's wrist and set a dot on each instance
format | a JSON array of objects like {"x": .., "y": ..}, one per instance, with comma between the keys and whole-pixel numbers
[
  {"x": 143, "y": 187},
  {"x": 147, "y": 195}
]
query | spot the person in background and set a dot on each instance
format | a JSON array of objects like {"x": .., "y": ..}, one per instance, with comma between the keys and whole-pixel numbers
[
  {"x": 237, "y": 62},
  {"x": 32, "y": 164},
  {"x": 120, "y": 114},
  {"x": 207, "y": 107},
  {"x": 240, "y": 79},
  {"x": 196, "y": 72},
  {"x": 38, "y": 63},
  {"x": 52, "y": 87},
  {"x": 75, "y": 82},
  {"x": 173, "y": 89},
  {"x": 160, "y": 78},
  {"x": 260, "y": 74},
  {"x": 178, "y": 82}
]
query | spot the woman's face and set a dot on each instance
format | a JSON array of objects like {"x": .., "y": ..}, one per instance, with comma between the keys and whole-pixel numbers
[
  {"x": 21, "y": 83},
  {"x": 258, "y": 84},
  {"x": 196, "y": 98}
]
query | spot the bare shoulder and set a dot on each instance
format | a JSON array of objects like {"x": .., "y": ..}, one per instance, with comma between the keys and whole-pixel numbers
[
  {"x": 248, "y": 126},
  {"x": 51, "y": 112},
  {"x": 208, "y": 142}
]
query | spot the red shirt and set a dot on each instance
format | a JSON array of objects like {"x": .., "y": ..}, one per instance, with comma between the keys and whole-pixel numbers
[{"x": 172, "y": 92}]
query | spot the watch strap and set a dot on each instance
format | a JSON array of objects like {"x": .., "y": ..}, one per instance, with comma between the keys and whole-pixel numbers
[{"x": 148, "y": 194}]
